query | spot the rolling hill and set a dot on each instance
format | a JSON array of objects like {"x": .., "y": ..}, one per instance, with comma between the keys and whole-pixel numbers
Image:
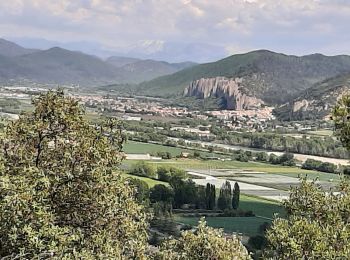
[
  {"x": 315, "y": 102},
  {"x": 60, "y": 66},
  {"x": 119, "y": 62},
  {"x": 275, "y": 78},
  {"x": 137, "y": 70}
]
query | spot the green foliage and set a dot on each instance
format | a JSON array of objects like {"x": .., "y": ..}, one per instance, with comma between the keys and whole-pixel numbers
[
  {"x": 185, "y": 191},
  {"x": 286, "y": 159},
  {"x": 59, "y": 194},
  {"x": 143, "y": 169},
  {"x": 142, "y": 193},
  {"x": 225, "y": 197},
  {"x": 341, "y": 118},
  {"x": 277, "y": 142},
  {"x": 166, "y": 173},
  {"x": 258, "y": 242},
  {"x": 166, "y": 226},
  {"x": 204, "y": 243},
  {"x": 317, "y": 226},
  {"x": 162, "y": 193},
  {"x": 200, "y": 202},
  {"x": 262, "y": 157},
  {"x": 311, "y": 164},
  {"x": 210, "y": 196},
  {"x": 235, "y": 196}
]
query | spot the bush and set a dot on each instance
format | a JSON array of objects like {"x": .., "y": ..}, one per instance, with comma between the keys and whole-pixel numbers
[
  {"x": 311, "y": 164},
  {"x": 346, "y": 170},
  {"x": 143, "y": 169},
  {"x": 258, "y": 242},
  {"x": 262, "y": 157},
  {"x": 165, "y": 174}
]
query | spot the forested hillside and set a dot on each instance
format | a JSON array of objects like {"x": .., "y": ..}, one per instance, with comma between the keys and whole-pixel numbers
[{"x": 273, "y": 77}]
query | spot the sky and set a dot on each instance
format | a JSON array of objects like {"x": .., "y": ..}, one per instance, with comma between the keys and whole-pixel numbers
[{"x": 179, "y": 30}]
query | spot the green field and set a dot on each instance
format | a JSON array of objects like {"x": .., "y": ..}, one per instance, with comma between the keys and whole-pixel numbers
[
  {"x": 137, "y": 147},
  {"x": 151, "y": 182},
  {"x": 143, "y": 148},
  {"x": 261, "y": 207},
  {"x": 246, "y": 225},
  {"x": 134, "y": 147},
  {"x": 249, "y": 166},
  {"x": 246, "y": 166}
]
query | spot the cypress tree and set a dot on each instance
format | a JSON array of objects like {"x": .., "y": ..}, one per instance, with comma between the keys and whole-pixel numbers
[
  {"x": 224, "y": 200},
  {"x": 235, "y": 196},
  {"x": 213, "y": 196}
]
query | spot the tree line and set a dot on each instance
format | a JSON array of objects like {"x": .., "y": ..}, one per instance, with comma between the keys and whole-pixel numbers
[{"x": 183, "y": 191}]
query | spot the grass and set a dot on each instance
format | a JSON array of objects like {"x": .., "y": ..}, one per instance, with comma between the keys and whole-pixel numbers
[
  {"x": 133, "y": 147},
  {"x": 261, "y": 207},
  {"x": 151, "y": 182},
  {"x": 248, "y": 166},
  {"x": 246, "y": 225},
  {"x": 137, "y": 147},
  {"x": 236, "y": 165}
]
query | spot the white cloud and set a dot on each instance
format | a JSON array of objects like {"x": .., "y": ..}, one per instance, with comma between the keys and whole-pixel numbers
[{"x": 285, "y": 25}]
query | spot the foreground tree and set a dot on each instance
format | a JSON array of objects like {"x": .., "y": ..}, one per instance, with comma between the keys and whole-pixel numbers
[
  {"x": 317, "y": 225},
  {"x": 142, "y": 192},
  {"x": 341, "y": 118},
  {"x": 205, "y": 243},
  {"x": 60, "y": 196}
]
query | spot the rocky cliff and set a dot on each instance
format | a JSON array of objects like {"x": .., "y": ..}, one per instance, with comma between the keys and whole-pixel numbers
[
  {"x": 230, "y": 90},
  {"x": 316, "y": 102}
]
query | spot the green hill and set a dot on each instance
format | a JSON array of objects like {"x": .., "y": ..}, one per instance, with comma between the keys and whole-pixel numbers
[
  {"x": 315, "y": 102},
  {"x": 273, "y": 77}
]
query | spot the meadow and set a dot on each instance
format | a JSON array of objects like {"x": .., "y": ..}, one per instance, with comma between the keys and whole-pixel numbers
[
  {"x": 264, "y": 211},
  {"x": 248, "y": 226},
  {"x": 143, "y": 148}
]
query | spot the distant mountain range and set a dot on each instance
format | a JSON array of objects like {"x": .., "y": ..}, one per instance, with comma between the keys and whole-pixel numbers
[
  {"x": 60, "y": 66},
  {"x": 275, "y": 78},
  {"x": 300, "y": 88},
  {"x": 171, "y": 51},
  {"x": 10, "y": 49},
  {"x": 138, "y": 70}
]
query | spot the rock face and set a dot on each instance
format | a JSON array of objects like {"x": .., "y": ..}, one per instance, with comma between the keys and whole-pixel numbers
[
  {"x": 317, "y": 108},
  {"x": 316, "y": 102},
  {"x": 229, "y": 89}
]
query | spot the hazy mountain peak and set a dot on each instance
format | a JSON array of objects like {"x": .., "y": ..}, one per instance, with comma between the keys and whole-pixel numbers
[{"x": 10, "y": 49}]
